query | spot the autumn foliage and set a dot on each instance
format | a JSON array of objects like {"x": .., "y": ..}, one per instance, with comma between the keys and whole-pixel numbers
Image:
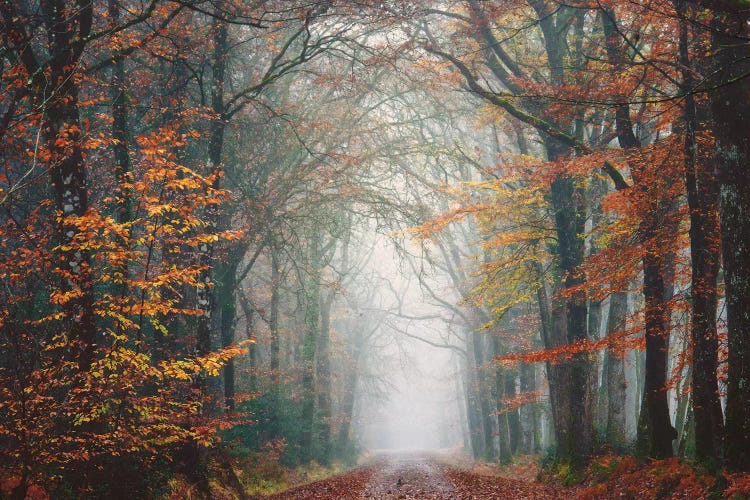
[
  {"x": 593, "y": 235},
  {"x": 134, "y": 399}
]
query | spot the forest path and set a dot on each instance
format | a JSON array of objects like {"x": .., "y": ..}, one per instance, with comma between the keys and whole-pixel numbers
[
  {"x": 420, "y": 475},
  {"x": 408, "y": 475}
]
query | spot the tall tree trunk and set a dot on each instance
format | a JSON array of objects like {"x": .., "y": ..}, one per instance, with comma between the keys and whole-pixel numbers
[
  {"x": 62, "y": 128},
  {"x": 461, "y": 403},
  {"x": 567, "y": 200},
  {"x": 682, "y": 420},
  {"x": 343, "y": 440},
  {"x": 207, "y": 295},
  {"x": 68, "y": 173},
  {"x": 273, "y": 326},
  {"x": 309, "y": 344},
  {"x": 227, "y": 272},
  {"x": 602, "y": 406},
  {"x": 729, "y": 93},
  {"x": 119, "y": 93},
  {"x": 703, "y": 202},
  {"x": 655, "y": 431},
  {"x": 599, "y": 359}
]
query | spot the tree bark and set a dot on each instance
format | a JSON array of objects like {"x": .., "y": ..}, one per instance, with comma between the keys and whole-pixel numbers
[
  {"x": 120, "y": 149},
  {"x": 514, "y": 420},
  {"x": 558, "y": 375},
  {"x": 206, "y": 296},
  {"x": 227, "y": 299},
  {"x": 309, "y": 344},
  {"x": 499, "y": 394},
  {"x": 273, "y": 326},
  {"x": 655, "y": 431},
  {"x": 729, "y": 93},
  {"x": 527, "y": 411},
  {"x": 703, "y": 202},
  {"x": 504, "y": 453},
  {"x": 473, "y": 405},
  {"x": 616, "y": 430},
  {"x": 483, "y": 394},
  {"x": 323, "y": 384},
  {"x": 567, "y": 202}
]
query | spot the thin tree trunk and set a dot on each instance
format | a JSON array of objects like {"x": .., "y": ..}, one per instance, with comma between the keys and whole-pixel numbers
[
  {"x": 461, "y": 404},
  {"x": 228, "y": 303},
  {"x": 616, "y": 430},
  {"x": 599, "y": 359},
  {"x": 476, "y": 429},
  {"x": 528, "y": 384},
  {"x": 682, "y": 413},
  {"x": 483, "y": 394},
  {"x": 514, "y": 420},
  {"x": 323, "y": 384},
  {"x": 273, "y": 326},
  {"x": 347, "y": 405},
  {"x": 309, "y": 345},
  {"x": 206, "y": 295},
  {"x": 504, "y": 453},
  {"x": 119, "y": 93}
]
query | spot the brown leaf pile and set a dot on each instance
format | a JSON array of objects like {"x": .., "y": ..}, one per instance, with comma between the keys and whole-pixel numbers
[
  {"x": 470, "y": 486},
  {"x": 345, "y": 486}
]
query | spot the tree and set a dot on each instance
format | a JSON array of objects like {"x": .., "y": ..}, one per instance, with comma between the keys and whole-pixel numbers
[
  {"x": 572, "y": 387},
  {"x": 703, "y": 201},
  {"x": 728, "y": 91},
  {"x": 84, "y": 387}
]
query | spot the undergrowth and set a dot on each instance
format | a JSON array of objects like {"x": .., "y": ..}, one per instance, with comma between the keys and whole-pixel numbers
[
  {"x": 234, "y": 476},
  {"x": 618, "y": 476}
]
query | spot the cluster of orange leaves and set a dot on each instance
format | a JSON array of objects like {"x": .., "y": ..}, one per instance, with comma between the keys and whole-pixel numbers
[
  {"x": 511, "y": 404},
  {"x": 137, "y": 398}
]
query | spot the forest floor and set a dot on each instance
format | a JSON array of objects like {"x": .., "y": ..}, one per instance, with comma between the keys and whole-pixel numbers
[
  {"x": 449, "y": 474},
  {"x": 425, "y": 475}
]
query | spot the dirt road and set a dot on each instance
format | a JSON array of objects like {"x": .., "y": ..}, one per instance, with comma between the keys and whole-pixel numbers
[
  {"x": 419, "y": 475},
  {"x": 408, "y": 475}
]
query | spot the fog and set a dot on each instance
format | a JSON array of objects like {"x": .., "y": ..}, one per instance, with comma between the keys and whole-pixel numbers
[
  {"x": 420, "y": 409},
  {"x": 290, "y": 233}
]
